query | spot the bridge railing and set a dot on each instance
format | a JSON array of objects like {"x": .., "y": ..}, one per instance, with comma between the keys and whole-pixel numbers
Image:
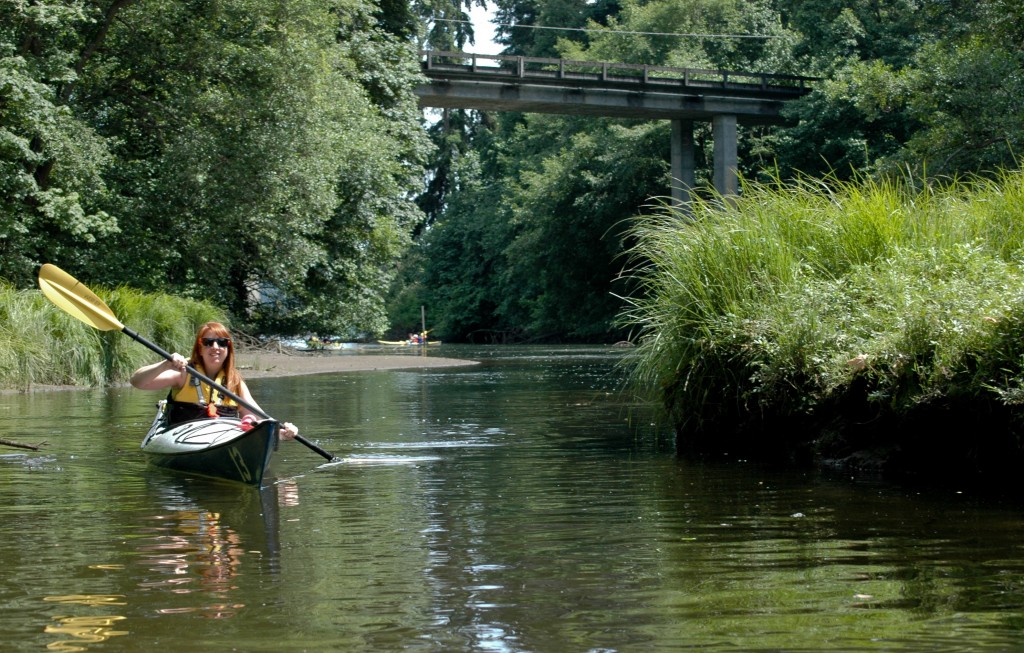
[{"x": 620, "y": 75}]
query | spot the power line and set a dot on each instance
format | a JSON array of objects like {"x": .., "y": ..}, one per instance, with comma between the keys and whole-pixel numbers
[{"x": 611, "y": 31}]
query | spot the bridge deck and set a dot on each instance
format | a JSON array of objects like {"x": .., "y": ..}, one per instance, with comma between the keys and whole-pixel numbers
[{"x": 618, "y": 76}]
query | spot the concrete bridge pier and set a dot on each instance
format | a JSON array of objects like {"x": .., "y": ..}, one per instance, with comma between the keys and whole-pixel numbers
[
  {"x": 725, "y": 160},
  {"x": 684, "y": 178}
]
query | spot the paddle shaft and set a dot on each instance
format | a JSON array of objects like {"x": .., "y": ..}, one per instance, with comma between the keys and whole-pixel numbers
[{"x": 224, "y": 391}]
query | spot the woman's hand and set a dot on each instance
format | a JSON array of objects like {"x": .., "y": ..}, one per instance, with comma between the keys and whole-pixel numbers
[
  {"x": 288, "y": 431},
  {"x": 178, "y": 362}
]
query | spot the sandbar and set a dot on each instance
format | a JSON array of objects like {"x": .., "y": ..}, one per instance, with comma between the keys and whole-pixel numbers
[
  {"x": 262, "y": 363},
  {"x": 256, "y": 364}
]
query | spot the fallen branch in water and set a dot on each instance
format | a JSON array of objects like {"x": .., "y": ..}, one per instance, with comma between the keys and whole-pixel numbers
[{"x": 21, "y": 445}]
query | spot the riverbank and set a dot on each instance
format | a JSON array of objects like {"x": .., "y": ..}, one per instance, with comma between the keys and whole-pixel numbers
[
  {"x": 871, "y": 323},
  {"x": 257, "y": 363},
  {"x": 44, "y": 348}
]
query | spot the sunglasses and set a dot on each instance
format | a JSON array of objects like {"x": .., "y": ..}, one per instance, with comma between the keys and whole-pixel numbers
[{"x": 221, "y": 342}]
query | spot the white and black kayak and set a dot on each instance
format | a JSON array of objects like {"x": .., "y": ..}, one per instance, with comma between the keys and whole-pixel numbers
[{"x": 218, "y": 447}]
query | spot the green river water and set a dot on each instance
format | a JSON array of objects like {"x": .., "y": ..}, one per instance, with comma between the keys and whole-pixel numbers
[{"x": 520, "y": 504}]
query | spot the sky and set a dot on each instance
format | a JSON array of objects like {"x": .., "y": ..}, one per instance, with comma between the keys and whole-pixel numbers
[{"x": 483, "y": 31}]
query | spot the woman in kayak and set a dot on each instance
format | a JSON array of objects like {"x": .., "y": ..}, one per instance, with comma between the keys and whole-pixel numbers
[{"x": 213, "y": 355}]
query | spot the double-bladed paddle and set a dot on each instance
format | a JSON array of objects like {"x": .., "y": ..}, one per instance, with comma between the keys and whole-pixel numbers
[{"x": 71, "y": 296}]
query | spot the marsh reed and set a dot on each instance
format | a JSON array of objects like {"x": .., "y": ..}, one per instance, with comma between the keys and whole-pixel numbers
[
  {"x": 42, "y": 345},
  {"x": 798, "y": 301}
]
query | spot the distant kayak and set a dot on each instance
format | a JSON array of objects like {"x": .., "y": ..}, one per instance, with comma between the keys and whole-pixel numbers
[{"x": 315, "y": 344}]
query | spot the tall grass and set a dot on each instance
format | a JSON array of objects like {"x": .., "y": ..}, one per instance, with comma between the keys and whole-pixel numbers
[
  {"x": 42, "y": 345},
  {"x": 796, "y": 299}
]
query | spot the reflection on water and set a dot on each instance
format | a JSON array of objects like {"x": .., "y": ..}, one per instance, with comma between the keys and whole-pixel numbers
[
  {"x": 519, "y": 505},
  {"x": 200, "y": 540},
  {"x": 82, "y": 631},
  {"x": 189, "y": 551}
]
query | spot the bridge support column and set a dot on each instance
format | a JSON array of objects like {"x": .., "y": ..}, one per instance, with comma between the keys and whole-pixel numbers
[
  {"x": 683, "y": 176},
  {"x": 726, "y": 162}
]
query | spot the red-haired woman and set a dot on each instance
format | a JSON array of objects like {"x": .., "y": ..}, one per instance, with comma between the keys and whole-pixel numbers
[{"x": 213, "y": 354}]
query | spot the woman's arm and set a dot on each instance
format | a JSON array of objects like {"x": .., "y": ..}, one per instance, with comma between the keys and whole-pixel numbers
[{"x": 163, "y": 374}]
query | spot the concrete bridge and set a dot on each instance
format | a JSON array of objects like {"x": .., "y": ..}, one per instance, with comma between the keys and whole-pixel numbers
[{"x": 461, "y": 80}]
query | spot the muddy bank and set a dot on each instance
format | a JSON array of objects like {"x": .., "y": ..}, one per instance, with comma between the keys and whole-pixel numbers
[{"x": 258, "y": 364}]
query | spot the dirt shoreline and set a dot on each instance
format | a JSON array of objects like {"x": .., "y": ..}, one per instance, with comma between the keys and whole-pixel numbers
[{"x": 257, "y": 364}]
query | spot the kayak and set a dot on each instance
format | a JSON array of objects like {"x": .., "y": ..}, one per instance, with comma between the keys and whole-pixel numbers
[
  {"x": 407, "y": 343},
  {"x": 217, "y": 447}
]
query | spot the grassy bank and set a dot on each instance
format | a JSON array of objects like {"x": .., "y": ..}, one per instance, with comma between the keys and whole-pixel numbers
[
  {"x": 842, "y": 318},
  {"x": 41, "y": 344}
]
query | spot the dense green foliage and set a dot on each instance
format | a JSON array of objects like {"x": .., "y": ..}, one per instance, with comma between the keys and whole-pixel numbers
[
  {"x": 875, "y": 303},
  {"x": 267, "y": 156},
  {"x": 42, "y": 344},
  {"x": 526, "y": 235},
  {"x": 500, "y": 268},
  {"x": 257, "y": 154}
]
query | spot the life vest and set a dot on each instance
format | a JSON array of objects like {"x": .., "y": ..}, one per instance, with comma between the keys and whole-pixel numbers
[{"x": 195, "y": 399}]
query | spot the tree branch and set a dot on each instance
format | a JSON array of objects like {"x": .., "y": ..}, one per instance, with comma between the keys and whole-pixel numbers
[
  {"x": 20, "y": 445},
  {"x": 94, "y": 44}
]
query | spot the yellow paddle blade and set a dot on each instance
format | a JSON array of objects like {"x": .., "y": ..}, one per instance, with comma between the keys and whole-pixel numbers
[{"x": 75, "y": 299}]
